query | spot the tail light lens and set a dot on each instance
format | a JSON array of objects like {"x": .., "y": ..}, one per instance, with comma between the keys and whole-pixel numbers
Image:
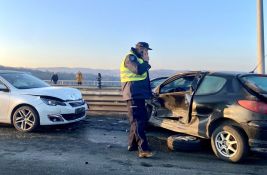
[{"x": 255, "y": 106}]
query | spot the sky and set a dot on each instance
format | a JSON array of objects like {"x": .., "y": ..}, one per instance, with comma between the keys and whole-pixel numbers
[{"x": 184, "y": 34}]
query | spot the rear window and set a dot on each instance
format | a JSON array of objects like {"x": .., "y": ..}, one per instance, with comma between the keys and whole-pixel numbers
[
  {"x": 255, "y": 82},
  {"x": 211, "y": 85}
]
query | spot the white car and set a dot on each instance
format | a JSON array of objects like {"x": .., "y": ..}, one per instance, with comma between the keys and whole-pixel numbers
[{"x": 27, "y": 102}]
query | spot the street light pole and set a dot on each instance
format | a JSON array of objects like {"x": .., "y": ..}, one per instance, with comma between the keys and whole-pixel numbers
[{"x": 260, "y": 36}]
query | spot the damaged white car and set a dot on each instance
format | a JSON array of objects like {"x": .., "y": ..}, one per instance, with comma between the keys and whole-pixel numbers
[{"x": 28, "y": 102}]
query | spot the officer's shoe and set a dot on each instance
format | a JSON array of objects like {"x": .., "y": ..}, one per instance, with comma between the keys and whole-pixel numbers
[
  {"x": 132, "y": 148},
  {"x": 145, "y": 154}
]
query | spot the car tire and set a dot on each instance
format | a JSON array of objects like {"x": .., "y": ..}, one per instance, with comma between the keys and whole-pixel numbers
[
  {"x": 183, "y": 143},
  {"x": 25, "y": 119},
  {"x": 229, "y": 143}
]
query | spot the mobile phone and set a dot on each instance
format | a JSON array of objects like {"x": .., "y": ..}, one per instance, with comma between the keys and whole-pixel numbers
[{"x": 142, "y": 53}]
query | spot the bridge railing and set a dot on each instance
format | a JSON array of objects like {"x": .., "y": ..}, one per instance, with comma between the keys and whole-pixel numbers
[{"x": 86, "y": 83}]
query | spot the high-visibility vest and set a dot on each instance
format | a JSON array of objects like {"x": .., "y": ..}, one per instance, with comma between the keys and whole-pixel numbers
[{"x": 127, "y": 75}]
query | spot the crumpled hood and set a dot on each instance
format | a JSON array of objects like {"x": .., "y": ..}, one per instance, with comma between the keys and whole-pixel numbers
[{"x": 58, "y": 92}]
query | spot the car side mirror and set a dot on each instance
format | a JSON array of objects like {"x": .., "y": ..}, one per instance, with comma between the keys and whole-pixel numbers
[{"x": 3, "y": 88}]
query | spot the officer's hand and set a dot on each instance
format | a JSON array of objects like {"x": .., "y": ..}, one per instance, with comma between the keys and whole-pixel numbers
[{"x": 145, "y": 55}]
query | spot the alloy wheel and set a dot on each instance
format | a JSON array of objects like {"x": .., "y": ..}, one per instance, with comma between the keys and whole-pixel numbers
[
  {"x": 226, "y": 144},
  {"x": 24, "y": 119}
]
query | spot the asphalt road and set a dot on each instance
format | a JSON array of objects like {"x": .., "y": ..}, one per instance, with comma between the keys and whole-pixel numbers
[{"x": 98, "y": 146}]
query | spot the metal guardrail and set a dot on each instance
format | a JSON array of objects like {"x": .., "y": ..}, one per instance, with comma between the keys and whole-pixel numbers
[
  {"x": 104, "y": 100},
  {"x": 86, "y": 83}
]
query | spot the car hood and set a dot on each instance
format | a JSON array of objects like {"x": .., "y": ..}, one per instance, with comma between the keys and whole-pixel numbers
[{"x": 57, "y": 92}]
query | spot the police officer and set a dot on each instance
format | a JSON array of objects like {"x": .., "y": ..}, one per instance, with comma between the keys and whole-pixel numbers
[{"x": 136, "y": 88}]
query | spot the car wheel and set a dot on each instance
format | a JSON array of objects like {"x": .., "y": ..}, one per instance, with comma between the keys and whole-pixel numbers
[
  {"x": 183, "y": 143},
  {"x": 25, "y": 119},
  {"x": 229, "y": 143}
]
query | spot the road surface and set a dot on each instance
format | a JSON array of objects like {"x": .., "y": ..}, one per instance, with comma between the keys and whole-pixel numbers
[{"x": 98, "y": 144}]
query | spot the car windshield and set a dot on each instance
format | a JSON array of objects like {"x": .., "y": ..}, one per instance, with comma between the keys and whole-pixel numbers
[
  {"x": 256, "y": 82},
  {"x": 23, "y": 81}
]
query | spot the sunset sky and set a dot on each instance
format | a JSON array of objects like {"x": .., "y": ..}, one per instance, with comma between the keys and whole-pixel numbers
[{"x": 184, "y": 34}]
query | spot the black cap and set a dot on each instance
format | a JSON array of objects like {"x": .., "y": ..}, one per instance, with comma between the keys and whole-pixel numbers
[{"x": 143, "y": 44}]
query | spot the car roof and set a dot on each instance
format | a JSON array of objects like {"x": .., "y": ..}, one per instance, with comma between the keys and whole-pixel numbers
[
  {"x": 158, "y": 78},
  {"x": 221, "y": 73},
  {"x": 231, "y": 73}
]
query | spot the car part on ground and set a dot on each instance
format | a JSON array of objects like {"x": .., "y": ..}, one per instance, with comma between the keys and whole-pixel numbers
[{"x": 183, "y": 143}]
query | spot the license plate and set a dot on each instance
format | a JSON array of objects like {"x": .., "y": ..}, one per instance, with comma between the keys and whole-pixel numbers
[{"x": 79, "y": 110}]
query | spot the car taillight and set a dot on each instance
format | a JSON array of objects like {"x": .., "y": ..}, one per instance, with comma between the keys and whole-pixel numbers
[{"x": 255, "y": 106}]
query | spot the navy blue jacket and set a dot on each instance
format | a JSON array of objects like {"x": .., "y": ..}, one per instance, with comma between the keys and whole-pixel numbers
[{"x": 136, "y": 89}]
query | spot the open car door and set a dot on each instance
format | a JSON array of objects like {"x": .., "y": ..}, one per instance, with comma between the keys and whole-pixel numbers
[{"x": 174, "y": 98}]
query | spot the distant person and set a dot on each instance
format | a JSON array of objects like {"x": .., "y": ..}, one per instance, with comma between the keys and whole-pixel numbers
[
  {"x": 135, "y": 89},
  {"x": 79, "y": 78},
  {"x": 54, "y": 78},
  {"x": 99, "y": 81}
]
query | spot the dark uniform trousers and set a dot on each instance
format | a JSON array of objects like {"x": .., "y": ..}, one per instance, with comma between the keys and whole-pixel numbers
[{"x": 138, "y": 118}]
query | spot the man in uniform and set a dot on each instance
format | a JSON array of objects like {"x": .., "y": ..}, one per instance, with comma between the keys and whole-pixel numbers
[{"x": 136, "y": 88}]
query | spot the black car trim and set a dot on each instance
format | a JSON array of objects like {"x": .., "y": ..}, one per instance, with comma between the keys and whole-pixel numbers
[
  {"x": 258, "y": 124},
  {"x": 8, "y": 89},
  {"x": 50, "y": 98}
]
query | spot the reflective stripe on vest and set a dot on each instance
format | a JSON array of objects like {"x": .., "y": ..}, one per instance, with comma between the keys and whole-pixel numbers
[{"x": 127, "y": 75}]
